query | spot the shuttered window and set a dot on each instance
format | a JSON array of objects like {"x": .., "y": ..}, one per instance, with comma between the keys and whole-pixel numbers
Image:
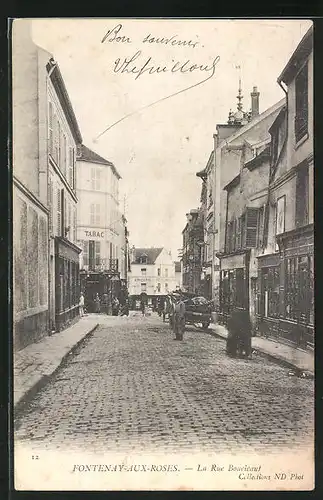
[
  {"x": 97, "y": 253},
  {"x": 71, "y": 167},
  {"x": 55, "y": 139},
  {"x": 260, "y": 236},
  {"x": 74, "y": 224},
  {"x": 251, "y": 227},
  {"x": 50, "y": 129},
  {"x": 238, "y": 234},
  {"x": 59, "y": 213},
  {"x": 50, "y": 204},
  {"x": 301, "y": 103},
  {"x": 63, "y": 154}
]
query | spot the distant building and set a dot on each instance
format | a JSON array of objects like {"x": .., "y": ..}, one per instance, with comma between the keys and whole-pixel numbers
[
  {"x": 100, "y": 223},
  {"x": 178, "y": 274},
  {"x": 152, "y": 274},
  {"x": 193, "y": 252}
]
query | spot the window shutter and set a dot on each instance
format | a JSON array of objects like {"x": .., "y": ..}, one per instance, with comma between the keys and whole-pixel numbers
[
  {"x": 92, "y": 214},
  {"x": 97, "y": 253},
  {"x": 97, "y": 214},
  {"x": 93, "y": 178},
  {"x": 251, "y": 227},
  {"x": 50, "y": 204},
  {"x": 59, "y": 213},
  {"x": 74, "y": 224},
  {"x": 50, "y": 128},
  {"x": 261, "y": 215},
  {"x": 59, "y": 144}
]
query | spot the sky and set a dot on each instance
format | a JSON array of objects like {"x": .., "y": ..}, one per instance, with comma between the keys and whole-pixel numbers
[{"x": 158, "y": 149}]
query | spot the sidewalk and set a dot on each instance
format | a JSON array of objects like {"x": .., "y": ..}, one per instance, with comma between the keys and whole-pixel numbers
[
  {"x": 294, "y": 358},
  {"x": 34, "y": 364}
]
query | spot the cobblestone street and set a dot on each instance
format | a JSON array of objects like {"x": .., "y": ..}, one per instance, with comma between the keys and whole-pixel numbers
[{"x": 131, "y": 387}]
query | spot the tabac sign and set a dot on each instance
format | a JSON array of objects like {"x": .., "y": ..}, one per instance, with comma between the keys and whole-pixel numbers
[{"x": 90, "y": 234}]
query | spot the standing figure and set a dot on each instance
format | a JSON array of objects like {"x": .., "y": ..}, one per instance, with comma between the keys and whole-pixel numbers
[
  {"x": 179, "y": 323},
  {"x": 143, "y": 307},
  {"x": 115, "y": 306},
  {"x": 81, "y": 305},
  {"x": 97, "y": 304},
  {"x": 166, "y": 308},
  {"x": 244, "y": 345}
]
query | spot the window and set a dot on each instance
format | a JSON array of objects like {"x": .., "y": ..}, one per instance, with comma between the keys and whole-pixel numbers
[
  {"x": 143, "y": 272},
  {"x": 280, "y": 215},
  {"x": 97, "y": 253},
  {"x": 63, "y": 154},
  {"x": 260, "y": 228},
  {"x": 71, "y": 168},
  {"x": 158, "y": 271},
  {"x": 50, "y": 203},
  {"x": 95, "y": 214},
  {"x": 143, "y": 287},
  {"x": 55, "y": 139},
  {"x": 59, "y": 213},
  {"x": 91, "y": 254},
  {"x": 166, "y": 273},
  {"x": 166, "y": 287},
  {"x": 158, "y": 287},
  {"x": 59, "y": 144},
  {"x": 143, "y": 259},
  {"x": 251, "y": 227},
  {"x": 302, "y": 196},
  {"x": 270, "y": 292},
  {"x": 50, "y": 129},
  {"x": 95, "y": 178},
  {"x": 74, "y": 224},
  {"x": 299, "y": 286},
  {"x": 301, "y": 91}
]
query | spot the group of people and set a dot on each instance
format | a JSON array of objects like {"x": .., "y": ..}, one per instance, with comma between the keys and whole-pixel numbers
[{"x": 102, "y": 305}]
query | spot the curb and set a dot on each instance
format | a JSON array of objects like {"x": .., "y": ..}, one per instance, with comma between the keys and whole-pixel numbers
[
  {"x": 44, "y": 379},
  {"x": 274, "y": 358}
]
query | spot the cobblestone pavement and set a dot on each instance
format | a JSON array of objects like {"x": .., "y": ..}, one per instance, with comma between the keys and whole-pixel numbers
[{"x": 131, "y": 387}]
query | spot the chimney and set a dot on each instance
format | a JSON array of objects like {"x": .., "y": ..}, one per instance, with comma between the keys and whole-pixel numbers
[{"x": 254, "y": 102}]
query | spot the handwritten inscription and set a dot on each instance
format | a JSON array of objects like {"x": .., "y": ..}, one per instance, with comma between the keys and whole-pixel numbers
[
  {"x": 114, "y": 35},
  {"x": 127, "y": 66}
]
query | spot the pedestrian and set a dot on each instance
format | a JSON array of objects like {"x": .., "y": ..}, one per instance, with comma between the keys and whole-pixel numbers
[
  {"x": 115, "y": 306},
  {"x": 143, "y": 307},
  {"x": 179, "y": 319},
  {"x": 97, "y": 304},
  {"x": 81, "y": 305},
  {"x": 245, "y": 334},
  {"x": 165, "y": 308}
]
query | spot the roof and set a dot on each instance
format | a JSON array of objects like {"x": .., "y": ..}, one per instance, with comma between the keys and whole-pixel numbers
[
  {"x": 151, "y": 253},
  {"x": 177, "y": 267},
  {"x": 86, "y": 154},
  {"x": 300, "y": 54},
  {"x": 258, "y": 159},
  {"x": 57, "y": 80},
  {"x": 234, "y": 182}
]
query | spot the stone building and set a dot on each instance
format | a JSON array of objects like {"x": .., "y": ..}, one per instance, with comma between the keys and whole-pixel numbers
[
  {"x": 193, "y": 252},
  {"x": 152, "y": 274},
  {"x": 286, "y": 268},
  {"x": 45, "y": 134}
]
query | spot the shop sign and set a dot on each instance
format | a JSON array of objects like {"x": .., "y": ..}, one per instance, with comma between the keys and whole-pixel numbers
[{"x": 94, "y": 234}]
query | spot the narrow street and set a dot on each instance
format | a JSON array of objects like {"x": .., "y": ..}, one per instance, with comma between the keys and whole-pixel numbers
[{"x": 131, "y": 387}]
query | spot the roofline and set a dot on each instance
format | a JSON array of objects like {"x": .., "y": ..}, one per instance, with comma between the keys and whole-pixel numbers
[
  {"x": 297, "y": 54},
  {"x": 107, "y": 163},
  {"x": 57, "y": 80},
  {"x": 234, "y": 182},
  {"x": 253, "y": 122}
]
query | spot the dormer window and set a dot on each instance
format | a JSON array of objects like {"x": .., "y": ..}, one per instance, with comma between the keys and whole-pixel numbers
[{"x": 143, "y": 259}]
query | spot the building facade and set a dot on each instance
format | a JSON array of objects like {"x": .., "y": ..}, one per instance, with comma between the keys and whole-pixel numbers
[
  {"x": 45, "y": 133},
  {"x": 193, "y": 252},
  {"x": 152, "y": 274},
  {"x": 101, "y": 227},
  {"x": 63, "y": 137},
  {"x": 240, "y": 159},
  {"x": 286, "y": 269}
]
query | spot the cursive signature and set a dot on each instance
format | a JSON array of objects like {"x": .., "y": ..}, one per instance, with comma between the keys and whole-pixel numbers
[{"x": 127, "y": 65}]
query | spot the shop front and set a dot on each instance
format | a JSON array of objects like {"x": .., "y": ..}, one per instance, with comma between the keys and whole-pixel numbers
[
  {"x": 286, "y": 289},
  {"x": 234, "y": 287},
  {"x": 67, "y": 282}
]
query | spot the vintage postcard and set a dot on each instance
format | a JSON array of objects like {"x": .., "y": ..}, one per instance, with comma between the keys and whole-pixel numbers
[{"x": 163, "y": 254}]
